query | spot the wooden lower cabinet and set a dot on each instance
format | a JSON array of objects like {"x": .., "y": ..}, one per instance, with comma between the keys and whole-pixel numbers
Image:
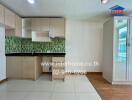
[
  {"x": 23, "y": 67},
  {"x": 28, "y": 67},
  {"x": 14, "y": 67}
]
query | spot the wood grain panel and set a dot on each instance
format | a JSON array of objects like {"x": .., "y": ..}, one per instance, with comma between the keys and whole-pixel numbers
[
  {"x": 40, "y": 24},
  {"x": 38, "y": 68},
  {"x": 1, "y": 14},
  {"x": 9, "y": 18},
  {"x": 18, "y": 31},
  {"x": 57, "y": 27},
  {"x": 28, "y": 68},
  {"x": 14, "y": 67},
  {"x": 108, "y": 91}
]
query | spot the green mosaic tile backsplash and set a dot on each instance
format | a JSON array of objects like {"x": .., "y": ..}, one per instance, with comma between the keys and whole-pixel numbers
[{"x": 25, "y": 45}]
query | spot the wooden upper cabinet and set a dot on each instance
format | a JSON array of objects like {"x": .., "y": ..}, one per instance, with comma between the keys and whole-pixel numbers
[
  {"x": 18, "y": 30},
  {"x": 40, "y": 24},
  {"x": 26, "y": 28},
  {"x": 57, "y": 27},
  {"x": 1, "y": 14},
  {"x": 9, "y": 18}
]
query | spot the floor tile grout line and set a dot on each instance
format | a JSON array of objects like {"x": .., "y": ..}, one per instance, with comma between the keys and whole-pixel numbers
[
  {"x": 74, "y": 89},
  {"x": 52, "y": 90}
]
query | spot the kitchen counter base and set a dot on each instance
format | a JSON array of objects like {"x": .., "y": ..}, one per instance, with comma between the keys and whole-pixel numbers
[{"x": 37, "y": 54}]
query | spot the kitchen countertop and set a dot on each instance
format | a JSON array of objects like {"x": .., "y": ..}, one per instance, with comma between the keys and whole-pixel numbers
[{"x": 36, "y": 54}]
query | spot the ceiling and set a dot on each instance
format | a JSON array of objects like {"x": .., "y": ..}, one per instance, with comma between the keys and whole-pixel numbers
[{"x": 91, "y": 10}]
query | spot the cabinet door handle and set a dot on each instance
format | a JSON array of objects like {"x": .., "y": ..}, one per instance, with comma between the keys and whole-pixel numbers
[{"x": 128, "y": 42}]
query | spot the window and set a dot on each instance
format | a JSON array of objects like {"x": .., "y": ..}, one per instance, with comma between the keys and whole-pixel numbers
[{"x": 122, "y": 47}]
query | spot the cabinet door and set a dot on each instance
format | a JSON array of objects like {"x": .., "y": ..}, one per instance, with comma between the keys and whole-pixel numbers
[
  {"x": 14, "y": 67},
  {"x": 9, "y": 18},
  {"x": 18, "y": 31},
  {"x": 57, "y": 27},
  {"x": 120, "y": 49},
  {"x": 28, "y": 70},
  {"x": 40, "y": 24},
  {"x": 1, "y": 14},
  {"x": 26, "y": 28}
]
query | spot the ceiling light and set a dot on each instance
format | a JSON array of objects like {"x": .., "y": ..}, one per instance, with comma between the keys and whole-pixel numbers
[
  {"x": 31, "y": 1},
  {"x": 104, "y": 1}
]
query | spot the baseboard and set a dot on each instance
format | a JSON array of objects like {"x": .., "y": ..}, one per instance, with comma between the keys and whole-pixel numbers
[
  {"x": 3, "y": 80},
  {"x": 121, "y": 83},
  {"x": 94, "y": 73},
  {"x": 46, "y": 72},
  {"x": 77, "y": 73}
]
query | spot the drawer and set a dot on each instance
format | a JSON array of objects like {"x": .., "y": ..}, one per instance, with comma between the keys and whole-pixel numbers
[
  {"x": 58, "y": 66},
  {"x": 58, "y": 72},
  {"x": 58, "y": 77},
  {"x": 58, "y": 59}
]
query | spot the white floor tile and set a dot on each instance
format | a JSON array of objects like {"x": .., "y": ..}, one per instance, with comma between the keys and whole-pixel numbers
[
  {"x": 38, "y": 96},
  {"x": 3, "y": 87},
  {"x": 13, "y": 95},
  {"x": 63, "y": 96},
  {"x": 87, "y": 96},
  {"x": 20, "y": 87},
  {"x": 84, "y": 87},
  {"x": 66, "y": 86},
  {"x": 43, "y": 86}
]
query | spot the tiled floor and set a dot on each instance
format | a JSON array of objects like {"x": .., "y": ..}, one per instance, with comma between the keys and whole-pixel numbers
[{"x": 74, "y": 88}]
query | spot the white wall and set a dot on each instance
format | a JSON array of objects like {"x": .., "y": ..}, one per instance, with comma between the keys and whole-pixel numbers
[
  {"x": 2, "y": 54},
  {"x": 84, "y": 44}
]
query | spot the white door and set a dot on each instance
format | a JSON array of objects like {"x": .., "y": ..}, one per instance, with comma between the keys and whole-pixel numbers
[
  {"x": 130, "y": 52},
  {"x": 121, "y": 31},
  {"x": 2, "y": 54}
]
